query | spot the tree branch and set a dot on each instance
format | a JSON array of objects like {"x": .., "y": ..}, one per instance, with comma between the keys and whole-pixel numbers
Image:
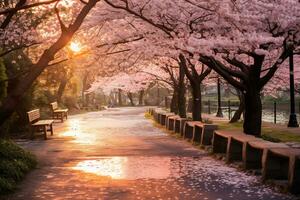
[
  {"x": 221, "y": 70},
  {"x": 264, "y": 80},
  {"x": 21, "y": 6}
]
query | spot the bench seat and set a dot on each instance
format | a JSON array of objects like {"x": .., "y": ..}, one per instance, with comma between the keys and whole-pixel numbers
[
  {"x": 156, "y": 114},
  {"x": 220, "y": 140},
  {"x": 179, "y": 125},
  {"x": 253, "y": 152},
  {"x": 167, "y": 118},
  {"x": 171, "y": 122},
  {"x": 283, "y": 164},
  {"x": 37, "y": 125},
  {"x": 163, "y": 117},
  {"x": 189, "y": 127},
  {"x": 43, "y": 122},
  {"x": 61, "y": 110},
  {"x": 203, "y": 133},
  {"x": 58, "y": 113},
  {"x": 236, "y": 145}
]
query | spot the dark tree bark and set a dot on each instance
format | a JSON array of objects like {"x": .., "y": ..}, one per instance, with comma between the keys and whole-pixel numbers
[
  {"x": 174, "y": 102},
  {"x": 141, "y": 97},
  {"x": 250, "y": 81},
  {"x": 61, "y": 88},
  {"x": 242, "y": 71},
  {"x": 12, "y": 100},
  {"x": 181, "y": 92},
  {"x": 130, "y": 98},
  {"x": 253, "y": 113},
  {"x": 195, "y": 79},
  {"x": 197, "y": 102},
  {"x": 120, "y": 102},
  {"x": 158, "y": 96},
  {"x": 10, "y": 15},
  {"x": 238, "y": 113}
]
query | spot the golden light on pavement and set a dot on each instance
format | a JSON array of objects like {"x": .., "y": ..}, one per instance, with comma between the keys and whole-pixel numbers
[
  {"x": 128, "y": 168},
  {"x": 110, "y": 167},
  {"x": 75, "y": 47},
  {"x": 79, "y": 135}
]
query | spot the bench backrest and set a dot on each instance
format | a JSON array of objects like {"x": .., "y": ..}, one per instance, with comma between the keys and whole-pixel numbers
[
  {"x": 33, "y": 115},
  {"x": 54, "y": 106}
]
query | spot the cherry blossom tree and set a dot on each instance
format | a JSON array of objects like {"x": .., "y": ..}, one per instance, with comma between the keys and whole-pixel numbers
[
  {"x": 67, "y": 31},
  {"x": 236, "y": 40}
]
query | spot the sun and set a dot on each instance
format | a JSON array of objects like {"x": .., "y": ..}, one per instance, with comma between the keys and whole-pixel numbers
[{"x": 75, "y": 47}]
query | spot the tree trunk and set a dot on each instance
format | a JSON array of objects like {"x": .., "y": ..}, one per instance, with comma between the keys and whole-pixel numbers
[
  {"x": 141, "y": 97},
  {"x": 84, "y": 87},
  {"x": 7, "y": 109},
  {"x": 158, "y": 96},
  {"x": 238, "y": 113},
  {"x": 61, "y": 89},
  {"x": 11, "y": 101},
  {"x": 196, "y": 106},
  {"x": 181, "y": 94},
  {"x": 253, "y": 113},
  {"x": 120, "y": 97},
  {"x": 130, "y": 98},
  {"x": 174, "y": 102}
]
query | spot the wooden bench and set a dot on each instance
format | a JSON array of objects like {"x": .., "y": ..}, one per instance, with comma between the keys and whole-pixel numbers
[
  {"x": 156, "y": 115},
  {"x": 166, "y": 119},
  {"x": 236, "y": 145},
  {"x": 283, "y": 164},
  {"x": 179, "y": 125},
  {"x": 171, "y": 122},
  {"x": 188, "y": 129},
  {"x": 253, "y": 152},
  {"x": 162, "y": 119},
  {"x": 220, "y": 140},
  {"x": 203, "y": 133},
  {"x": 58, "y": 113},
  {"x": 37, "y": 125}
]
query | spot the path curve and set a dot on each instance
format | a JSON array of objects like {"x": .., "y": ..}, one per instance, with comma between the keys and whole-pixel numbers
[{"x": 118, "y": 154}]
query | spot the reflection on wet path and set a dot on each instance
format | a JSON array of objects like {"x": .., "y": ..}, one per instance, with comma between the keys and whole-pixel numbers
[
  {"x": 118, "y": 154},
  {"x": 129, "y": 168},
  {"x": 187, "y": 177}
]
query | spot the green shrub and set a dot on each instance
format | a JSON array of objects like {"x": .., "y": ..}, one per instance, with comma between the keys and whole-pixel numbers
[
  {"x": 14, "y": 164},
  {"x": 7, "y": 185}
]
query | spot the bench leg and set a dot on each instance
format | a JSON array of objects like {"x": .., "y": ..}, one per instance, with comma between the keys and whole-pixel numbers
[
  {"x": 62, "y": 117},
  {"x": 51, "y": 129}
]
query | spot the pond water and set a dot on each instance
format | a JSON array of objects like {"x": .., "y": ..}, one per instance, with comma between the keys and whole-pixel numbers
[{"x": 282, "y": 116}]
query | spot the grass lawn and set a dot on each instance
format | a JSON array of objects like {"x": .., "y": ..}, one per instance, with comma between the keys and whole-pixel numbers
[{"x": 268, "y": 133}]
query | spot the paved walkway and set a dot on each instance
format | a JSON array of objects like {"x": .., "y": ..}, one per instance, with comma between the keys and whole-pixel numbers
[{"x": 118, "y": 154}]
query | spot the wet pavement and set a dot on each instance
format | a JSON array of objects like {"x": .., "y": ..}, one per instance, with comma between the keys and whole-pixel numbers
[{"x": 118, "y": 154}]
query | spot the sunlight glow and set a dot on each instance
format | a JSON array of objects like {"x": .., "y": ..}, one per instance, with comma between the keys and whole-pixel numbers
[
  {"x": 111, "y": 167},
  {"x": 129, "y": 168},
  {"x": 75, "y": 47},
  {"x": 79, "y": 135}
]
